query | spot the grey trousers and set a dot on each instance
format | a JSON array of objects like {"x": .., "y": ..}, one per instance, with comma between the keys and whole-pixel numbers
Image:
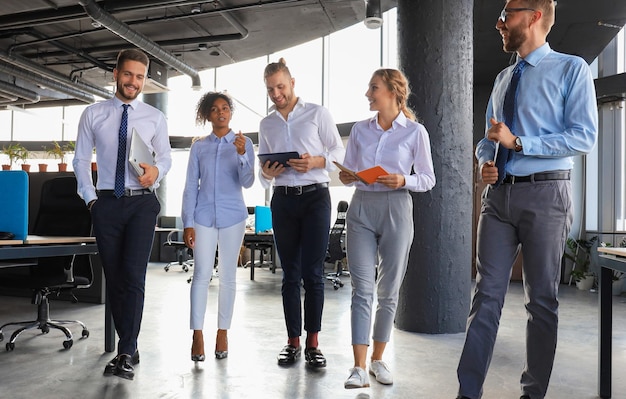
[
  {"x": 379, "y": 232},
  {"x": 538, "y": 217}
]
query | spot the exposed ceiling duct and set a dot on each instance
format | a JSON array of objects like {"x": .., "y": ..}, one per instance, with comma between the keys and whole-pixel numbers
[
  {"x": 77, "y": 86},
  {"x": 49, "y": 83},
  {"x": 138, "y": 39},
  {"x": 18, "y": 92}
]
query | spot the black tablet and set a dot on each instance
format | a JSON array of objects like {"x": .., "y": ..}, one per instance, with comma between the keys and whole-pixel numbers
[{"x": 280, "y": 157}]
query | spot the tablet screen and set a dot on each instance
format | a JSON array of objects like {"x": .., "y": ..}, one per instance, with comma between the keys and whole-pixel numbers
[{"x": 280, "y": 157}]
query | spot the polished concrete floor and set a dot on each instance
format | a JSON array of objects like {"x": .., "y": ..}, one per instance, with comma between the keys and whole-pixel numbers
[{"x": 424, "y": 366}]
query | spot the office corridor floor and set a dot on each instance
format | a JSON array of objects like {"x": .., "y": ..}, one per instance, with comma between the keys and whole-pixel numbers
[{"x": 424, "y": 366}]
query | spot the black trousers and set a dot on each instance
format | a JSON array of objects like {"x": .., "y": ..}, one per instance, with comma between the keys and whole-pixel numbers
[
  {"x": 124, "y": 230},
  {"x": 301, "y": 226}
]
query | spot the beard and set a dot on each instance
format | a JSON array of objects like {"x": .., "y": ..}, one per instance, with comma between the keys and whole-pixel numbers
[
  {"x": 122, "y": 92},
  {"x": 515, "y": 40}
]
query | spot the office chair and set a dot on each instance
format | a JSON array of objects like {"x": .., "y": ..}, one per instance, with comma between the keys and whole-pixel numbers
[
  {"x": 336, "y": 253},
  {"x": 61, "y": 213},
  {"x": 184, "y": 255},
  {"x": 262, "y": 224}
]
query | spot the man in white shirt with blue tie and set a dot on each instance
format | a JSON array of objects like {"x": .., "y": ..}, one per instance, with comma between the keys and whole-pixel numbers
[{"x": 123, "y": 204}]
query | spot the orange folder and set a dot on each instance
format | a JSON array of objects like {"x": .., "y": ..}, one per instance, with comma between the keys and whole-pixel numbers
[{"x": 367, "y": 176}]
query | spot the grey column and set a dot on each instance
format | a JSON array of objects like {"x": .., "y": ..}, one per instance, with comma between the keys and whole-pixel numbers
[
  {"x": 159, "y": 101},
  {"x": 435, "y": 46}
]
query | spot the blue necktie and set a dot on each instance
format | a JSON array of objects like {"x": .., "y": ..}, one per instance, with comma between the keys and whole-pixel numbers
[
  {"x": 508, "y": 112},
  {"x": 121, "y": 154}
]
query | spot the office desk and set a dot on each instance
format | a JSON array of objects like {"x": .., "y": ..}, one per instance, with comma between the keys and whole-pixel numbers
[
  {"x": 43, "y": 247},
  {"x": 16, "y": 253},
  {"x": 610, "y": 259},
  {"x": 255, "y": 241}
]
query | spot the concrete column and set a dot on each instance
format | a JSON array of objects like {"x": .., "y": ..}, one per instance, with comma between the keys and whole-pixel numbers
[
  {"x": 159, "y": 101},
  {"x": 435, "y": 46}
]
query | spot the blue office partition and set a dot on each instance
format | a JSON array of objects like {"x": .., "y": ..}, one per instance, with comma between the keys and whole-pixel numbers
[
  {"x": 14, "y": 203},
  {"x": 262, "y": 219}
]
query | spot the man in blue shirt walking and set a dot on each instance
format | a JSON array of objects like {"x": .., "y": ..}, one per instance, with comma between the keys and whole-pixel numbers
[{"x": 538, "y": 125}]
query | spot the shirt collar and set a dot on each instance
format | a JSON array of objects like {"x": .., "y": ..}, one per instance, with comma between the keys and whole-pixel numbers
[
  {"x": 229, "y": 137},
  {"x": 119, "y": 103},
  {"x": 401, "y": 120},
  {"x": 535, "y": 57}
]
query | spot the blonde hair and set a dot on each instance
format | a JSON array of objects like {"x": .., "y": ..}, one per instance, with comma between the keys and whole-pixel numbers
[
  {"x": 275, "y": 67},
  {"x": 398, "y": 84}
]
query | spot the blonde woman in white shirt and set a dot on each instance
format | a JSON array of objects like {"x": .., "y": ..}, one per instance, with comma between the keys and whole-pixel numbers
[{"x": 380, "y": 218}]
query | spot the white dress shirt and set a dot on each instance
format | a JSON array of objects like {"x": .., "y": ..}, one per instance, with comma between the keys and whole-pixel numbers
[
  {"x": 404, "y": 146},
  {"x": 99, "y": 128},
  {"x": 309, "y": 128}
]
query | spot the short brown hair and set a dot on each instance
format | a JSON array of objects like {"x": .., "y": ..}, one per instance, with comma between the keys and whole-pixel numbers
[
  {"x": 131, "y": 55},
  {"x": 547, "y": 12},
  {"x": 275, "y": 67}
]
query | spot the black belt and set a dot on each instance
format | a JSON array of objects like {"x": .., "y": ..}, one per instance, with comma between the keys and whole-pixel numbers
[
  {"x": 509, "y": 179},
  {"x": 299, "y": 190},
  {"x": 127, "y": 192}
]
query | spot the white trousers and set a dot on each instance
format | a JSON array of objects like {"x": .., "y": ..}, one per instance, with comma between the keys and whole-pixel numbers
[{"x": 208, "y": 239}]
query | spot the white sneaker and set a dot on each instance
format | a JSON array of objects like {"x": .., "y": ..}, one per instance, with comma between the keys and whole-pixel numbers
[
  {"x": 380, "y": 370},
  {"x": 358, "y": 379}
]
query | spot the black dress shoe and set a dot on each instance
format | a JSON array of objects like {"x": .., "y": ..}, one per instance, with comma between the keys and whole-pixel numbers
[
  {"x": 124, "y": 367},
  {"x": 109, "y": 369},
  {"x": 289, "y": 354},
  {"x": 524, "y": 397},
  {"x": 314, "y": 357},
  {"x": 462, "y": 397}
]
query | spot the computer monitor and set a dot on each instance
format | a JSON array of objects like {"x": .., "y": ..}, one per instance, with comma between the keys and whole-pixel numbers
[{"x": 262, "y": 219}]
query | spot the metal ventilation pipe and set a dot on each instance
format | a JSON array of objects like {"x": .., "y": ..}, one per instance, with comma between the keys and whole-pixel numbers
[
  {"x": 49, "y": 83},
  {"x": 77, "y": 86},
  {"x": 138, "y": 39},
  {"x": 19, "y": 92}
]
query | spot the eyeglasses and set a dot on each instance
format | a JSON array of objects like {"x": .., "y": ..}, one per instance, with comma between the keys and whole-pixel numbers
[{"x": 506, "y": 11}]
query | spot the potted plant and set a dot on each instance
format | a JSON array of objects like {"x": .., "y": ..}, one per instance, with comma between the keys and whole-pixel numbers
[
  {"x": 14, "y": 152},
  {"x": 23, "y": 156},
  {"x": 59, "y": 151},
  {"x": 43, "y": 167},
  {"x": 579, "y": 252}
]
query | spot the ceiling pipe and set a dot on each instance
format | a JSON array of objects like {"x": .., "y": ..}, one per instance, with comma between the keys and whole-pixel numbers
[
  {"x": 76, "y": 86},
  {"x": 45, "y": 82},
  {"x": 8, "y": 98},
  {"x": 139, "y": 40},
  {"x": 19, "y": 92}
]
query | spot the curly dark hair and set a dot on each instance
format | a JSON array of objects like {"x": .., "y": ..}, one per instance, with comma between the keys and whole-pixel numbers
[{"x": 203, "y": 109}]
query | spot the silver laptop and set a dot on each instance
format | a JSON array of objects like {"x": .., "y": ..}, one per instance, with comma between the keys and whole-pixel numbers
[{"x": 139, "y": 153}]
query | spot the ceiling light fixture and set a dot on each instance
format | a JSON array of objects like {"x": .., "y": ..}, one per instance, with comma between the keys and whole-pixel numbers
[{"x": 373, "y": 14}]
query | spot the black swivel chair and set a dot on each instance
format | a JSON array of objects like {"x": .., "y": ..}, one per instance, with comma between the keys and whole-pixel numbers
[
  {"x": 336, "y": 253},
  {"x": 184, "y": 255},
  {"x": 61, "y": 213}
]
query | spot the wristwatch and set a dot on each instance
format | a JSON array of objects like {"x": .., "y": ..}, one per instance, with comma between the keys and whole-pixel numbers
[{"x": 518, "y": 144}]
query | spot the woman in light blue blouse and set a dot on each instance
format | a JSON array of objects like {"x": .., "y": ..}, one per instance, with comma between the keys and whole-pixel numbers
[
  {"x": 214, "y": 213},
  {"x": 380, "y": 218}
]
